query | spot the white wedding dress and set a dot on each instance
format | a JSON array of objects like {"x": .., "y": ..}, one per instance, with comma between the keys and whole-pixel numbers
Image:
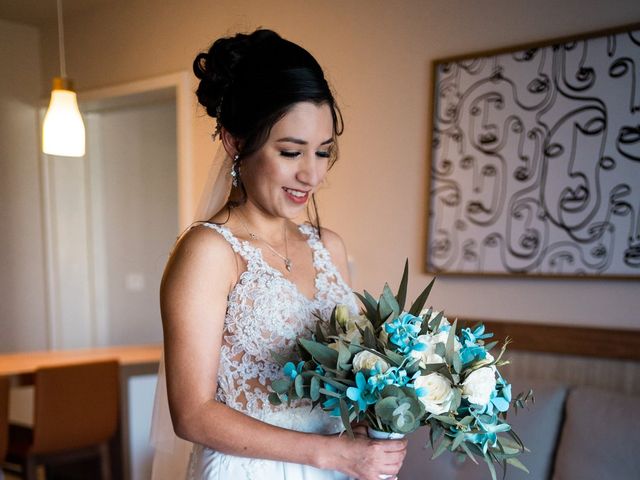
[{"x": 266, "y": 312}]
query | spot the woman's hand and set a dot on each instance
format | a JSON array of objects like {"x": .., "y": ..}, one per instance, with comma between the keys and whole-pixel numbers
[{"x": 362, "y": 457}]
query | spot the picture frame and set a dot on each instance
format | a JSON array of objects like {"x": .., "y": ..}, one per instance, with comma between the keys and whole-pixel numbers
[{"x": 535, "y": 160}]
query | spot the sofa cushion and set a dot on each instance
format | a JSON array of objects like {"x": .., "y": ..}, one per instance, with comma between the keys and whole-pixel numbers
[
  {"x": 537, "y": 426},
  {"x": 600, "y": 436}
]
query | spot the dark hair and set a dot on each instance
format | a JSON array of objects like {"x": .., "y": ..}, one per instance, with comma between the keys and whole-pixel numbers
[{"x": 250, "y": 81}]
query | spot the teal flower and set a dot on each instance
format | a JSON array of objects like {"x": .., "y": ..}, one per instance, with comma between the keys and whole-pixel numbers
[
  {"x": 403, "y": 331},
  {"x": 361, "y": 393},
  {"x": 291, "y": 371},
  {"x": 332, "y": 404},
  {"x": 488, "y": 434},
  {"x": 471, "y": 351}
]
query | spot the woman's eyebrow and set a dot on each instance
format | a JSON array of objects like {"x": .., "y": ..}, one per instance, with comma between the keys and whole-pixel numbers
[{"x": 299, "y": 141}]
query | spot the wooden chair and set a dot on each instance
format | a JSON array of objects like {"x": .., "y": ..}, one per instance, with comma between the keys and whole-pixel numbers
[
  {"x": 4, "y": 419},
  {"x": 75, "y": 416}
]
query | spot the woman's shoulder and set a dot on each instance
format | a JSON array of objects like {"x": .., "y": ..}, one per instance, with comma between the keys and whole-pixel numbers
[
  {"x": 202, "y": 242},
  {"x": 331, "y": 240}
]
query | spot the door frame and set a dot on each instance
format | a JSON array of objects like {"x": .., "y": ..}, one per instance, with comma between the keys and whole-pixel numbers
[{"x": 116, "y": 95}]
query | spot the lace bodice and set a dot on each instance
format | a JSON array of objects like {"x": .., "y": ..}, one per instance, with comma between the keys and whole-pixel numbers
[{"x": 266, "y": 312}]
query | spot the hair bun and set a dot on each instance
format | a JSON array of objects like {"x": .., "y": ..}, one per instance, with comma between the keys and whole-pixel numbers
[{"x": 217, "y": 69}]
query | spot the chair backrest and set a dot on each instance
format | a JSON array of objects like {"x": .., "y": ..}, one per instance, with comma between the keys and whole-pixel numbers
[
  {"x": 76, "y": 406},
  {"x": 4, "y": 416}
]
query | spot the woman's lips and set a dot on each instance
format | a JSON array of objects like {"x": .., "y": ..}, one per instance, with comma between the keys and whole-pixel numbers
[{"x": 296, "y": 196}]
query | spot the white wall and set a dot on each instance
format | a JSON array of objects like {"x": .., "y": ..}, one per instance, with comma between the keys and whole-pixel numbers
[
  {"x": 22, "y": 287},
  {"x": 136, "y": 206},
  {"x": 377, "y": 55}
]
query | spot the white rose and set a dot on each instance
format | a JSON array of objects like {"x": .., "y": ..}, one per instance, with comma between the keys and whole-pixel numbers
[
  {"x": 365, "y": 360},
  {"x": 478, "y": 386},
  {"x": 439, "y": 393},
  {"x": 429, "y": 355}
]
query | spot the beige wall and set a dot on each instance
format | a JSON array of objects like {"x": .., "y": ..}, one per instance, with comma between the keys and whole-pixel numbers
[
  {"x": 22, "y": 287},
  {"x": 377, "y": 54}
]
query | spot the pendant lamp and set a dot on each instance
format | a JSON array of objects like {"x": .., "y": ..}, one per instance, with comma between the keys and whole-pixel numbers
[{"x": 63, "y": 130}]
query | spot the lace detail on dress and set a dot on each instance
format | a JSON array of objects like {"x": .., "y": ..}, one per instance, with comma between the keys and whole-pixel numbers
[{"x": 266, "y": 312}]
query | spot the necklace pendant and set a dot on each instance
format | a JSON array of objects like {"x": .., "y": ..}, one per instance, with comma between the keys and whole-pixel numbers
[{"x": 288, "y": 265}]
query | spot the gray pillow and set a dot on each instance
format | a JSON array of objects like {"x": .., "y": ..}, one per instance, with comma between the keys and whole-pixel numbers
[
  {"x": 537, "y": 426},
  {"x": 600, "y": 437}
]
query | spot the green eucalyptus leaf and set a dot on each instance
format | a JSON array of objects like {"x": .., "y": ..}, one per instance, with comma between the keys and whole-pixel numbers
[
  {"x": 279, "y": 359},
  {"x": 449, "y": 349},
  {"x": 344, "y": 415},
  {"x": 369, "y": 338},
  {"x": 384, "y": 408},
  {"x": 467, "y": 450},
  {"x": 426, "y": 328},
  {"x": 281, "y": 385},
  {"x": 320, "y": 334},
  {"x": 418, "y": 304},
  {"x": 320, "y": 353},
  {"x": 433, "y": 367},
  {"x": 434, "y": 324},
  {"x": 396, "y": 358},
  {"x": 458, "y": 439},
  {"x": 390, "y": 299},
  {"x": 329, "y": 393},
  {"x": 354, "y": 347},
  {"x": 435, "y": 432},
  {"x": 490, "y": 345},
  {"x": 444, "y": 419},
  {"x": 457, "y": 363},
  {"x": 333, "y": 324},
  {"x": 340, "y": 384},
  {"x": 385, "y": 311},
  {"x": 314, "y": 388},
  {"x": 442, "y": 446},
  {"x": 299, "y": 386},
  {"x": 517, "y": 463},
  {"x": 405, "y": 423},
  {"x": 274, "y": 399},
  {"x": 489, "y": 463},
  {"x": 392, "y": 391},
  {"x": 344, "y": 355},
  {"x": 370, "y": 305},
  {"x": 401, "y": 296}
]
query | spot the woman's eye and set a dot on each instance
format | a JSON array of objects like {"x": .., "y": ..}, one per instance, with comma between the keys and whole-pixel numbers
[
  {"x": 289, "y": 154},
  {"x": 326, "y": 154}
]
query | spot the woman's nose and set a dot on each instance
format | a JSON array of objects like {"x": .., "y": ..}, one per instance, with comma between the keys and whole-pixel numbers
[{"x": 309, "y": 173}]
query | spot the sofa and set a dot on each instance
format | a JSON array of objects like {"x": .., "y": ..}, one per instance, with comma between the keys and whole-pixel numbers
[{"x": 573, "y": 432}]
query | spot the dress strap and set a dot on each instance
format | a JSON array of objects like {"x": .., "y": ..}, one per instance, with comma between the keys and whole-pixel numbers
[
  {"x": 321, "y": 257},
  {"x": 242, "y": 248}
]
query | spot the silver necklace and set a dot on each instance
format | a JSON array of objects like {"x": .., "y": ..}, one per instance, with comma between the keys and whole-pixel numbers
[{"x": 285, "y": 258}]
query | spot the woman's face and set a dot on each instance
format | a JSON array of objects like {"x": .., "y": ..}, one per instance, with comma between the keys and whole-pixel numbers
[{"x": 281, "y": 176}]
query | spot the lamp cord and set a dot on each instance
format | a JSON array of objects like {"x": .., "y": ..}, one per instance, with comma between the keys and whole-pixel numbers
[{"x": 63, "y": 66}]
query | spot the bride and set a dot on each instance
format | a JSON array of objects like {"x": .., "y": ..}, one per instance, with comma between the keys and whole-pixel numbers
[{"x": 248, "y": 281}]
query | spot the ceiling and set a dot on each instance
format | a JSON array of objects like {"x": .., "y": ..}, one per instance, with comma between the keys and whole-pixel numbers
[{"x": 40, "y": 12}]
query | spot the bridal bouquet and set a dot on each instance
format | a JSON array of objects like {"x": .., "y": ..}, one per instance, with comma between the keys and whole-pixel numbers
[{"x": 398, "y": 369}]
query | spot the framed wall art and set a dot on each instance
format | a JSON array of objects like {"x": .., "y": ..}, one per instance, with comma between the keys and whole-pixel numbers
[{"x": 535, "y": 161}]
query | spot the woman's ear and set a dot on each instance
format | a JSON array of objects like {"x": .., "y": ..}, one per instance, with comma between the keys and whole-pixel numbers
[{"x": 231, "y": 144}]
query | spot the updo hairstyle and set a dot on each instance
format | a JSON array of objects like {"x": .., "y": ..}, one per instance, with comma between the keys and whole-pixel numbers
[{"x": 250, "y": 81}]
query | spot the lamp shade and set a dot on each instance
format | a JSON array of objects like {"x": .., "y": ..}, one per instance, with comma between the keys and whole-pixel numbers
[{"x": 63, "y": 130}]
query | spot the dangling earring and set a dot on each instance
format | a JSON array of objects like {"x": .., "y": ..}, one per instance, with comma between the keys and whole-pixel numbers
[{"x": 235, "y": 171}]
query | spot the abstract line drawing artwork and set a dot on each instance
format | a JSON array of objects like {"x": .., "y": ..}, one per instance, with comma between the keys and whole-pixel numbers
[{"x": 535, "y": 165}]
